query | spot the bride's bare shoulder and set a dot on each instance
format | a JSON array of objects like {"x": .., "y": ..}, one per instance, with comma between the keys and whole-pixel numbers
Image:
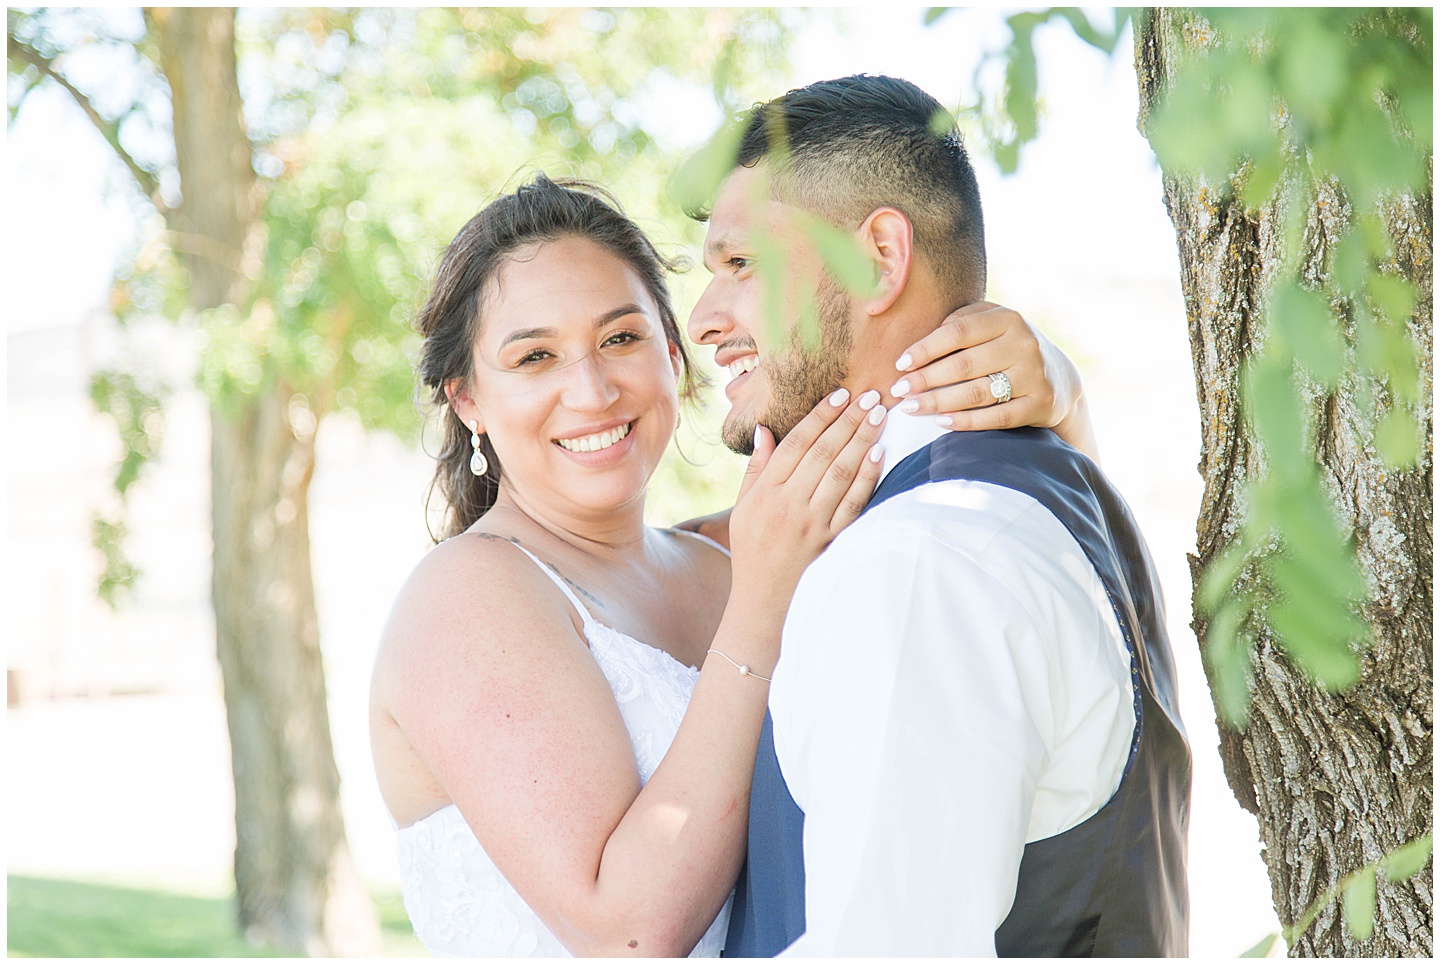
[
  {"x": 474, "y": 590},
  {"x": 480, "y": 564}
]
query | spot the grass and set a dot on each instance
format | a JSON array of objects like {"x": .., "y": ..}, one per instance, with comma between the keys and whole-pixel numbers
[{"x": 50, "y": 918}]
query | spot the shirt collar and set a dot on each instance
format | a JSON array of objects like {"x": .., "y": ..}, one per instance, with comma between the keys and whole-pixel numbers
[{"x": 904, "y": 435}]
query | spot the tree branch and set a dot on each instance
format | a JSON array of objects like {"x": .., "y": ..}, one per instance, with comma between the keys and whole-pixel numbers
[{"x": 110, "y": 130}]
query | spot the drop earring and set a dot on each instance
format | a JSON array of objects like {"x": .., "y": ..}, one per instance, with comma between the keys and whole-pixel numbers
[{"x": 479, "y": 465}]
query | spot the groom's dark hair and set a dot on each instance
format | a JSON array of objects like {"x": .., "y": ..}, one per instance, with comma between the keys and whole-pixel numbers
[{"x": 842, "y": 148}]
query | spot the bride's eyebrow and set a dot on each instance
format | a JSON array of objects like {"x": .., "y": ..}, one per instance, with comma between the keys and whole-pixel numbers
[{"x": 606, "y": 318}]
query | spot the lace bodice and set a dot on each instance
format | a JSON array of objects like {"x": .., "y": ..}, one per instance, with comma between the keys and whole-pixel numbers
[{"x": 459, "y": 902}]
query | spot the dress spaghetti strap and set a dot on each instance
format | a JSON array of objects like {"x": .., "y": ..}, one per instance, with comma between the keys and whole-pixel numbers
[
  {"x": 564, "y": 588},
  {"x": 702, "y": 538}
]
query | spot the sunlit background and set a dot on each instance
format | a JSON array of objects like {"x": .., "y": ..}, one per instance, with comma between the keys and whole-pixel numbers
[{"x": 117, "y": 755}]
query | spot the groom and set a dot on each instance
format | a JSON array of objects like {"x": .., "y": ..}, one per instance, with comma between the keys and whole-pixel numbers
[{"x": 974, "y": 746}]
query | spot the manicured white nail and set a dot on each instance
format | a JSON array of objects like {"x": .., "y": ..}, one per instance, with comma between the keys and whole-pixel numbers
[
  {"x": 876, "y": 453},
  {"x": 901, "y": 388},
  {"x": 869, "y": 399},
  {"x": 909, "y": 406},
  {"x": 757, "y": 435},
  {"x": 903, "y": 362},
  {"x": 877, "y": 415},
  {"x": 944, "y": 420},
  {"x": 838, "y": 397}
]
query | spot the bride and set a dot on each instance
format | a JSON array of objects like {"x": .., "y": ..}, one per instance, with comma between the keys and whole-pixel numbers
[{"x": 566, "y": 703}]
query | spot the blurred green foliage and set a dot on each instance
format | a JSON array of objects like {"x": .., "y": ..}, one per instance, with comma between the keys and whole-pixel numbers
[
  {"x": 1015, "y": 121},
  {"x": 376, "y": 134},
  {"x": 1289, "y": 109},
  {"x": 136, "y": 402}
]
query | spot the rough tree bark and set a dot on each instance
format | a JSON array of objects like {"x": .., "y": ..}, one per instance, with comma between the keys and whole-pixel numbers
[
  {"x": 1335, "y": 780},
  {"x": 297, "y": 886}
]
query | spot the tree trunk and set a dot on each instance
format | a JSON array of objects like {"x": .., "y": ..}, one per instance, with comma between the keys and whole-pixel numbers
[
  {"x": 297, "y": 887},
  {"x": 1336, "y": 780}
]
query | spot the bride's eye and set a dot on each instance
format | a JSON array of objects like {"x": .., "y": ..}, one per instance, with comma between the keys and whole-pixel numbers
[
  {"x": 623, "y": 338},
  {"x": 533, "y": 356}
]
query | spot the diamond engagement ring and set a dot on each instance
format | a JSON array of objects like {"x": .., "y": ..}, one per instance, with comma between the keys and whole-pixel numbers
[{"x": 1000, "y": 388}]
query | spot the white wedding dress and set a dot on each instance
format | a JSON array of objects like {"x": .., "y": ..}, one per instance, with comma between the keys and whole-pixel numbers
[{"x": 459, "y": 902}]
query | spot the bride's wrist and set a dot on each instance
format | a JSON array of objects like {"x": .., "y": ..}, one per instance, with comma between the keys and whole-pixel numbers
[
  {"x": 738, "y": 664},
  {"x": 749, "y": 634}
]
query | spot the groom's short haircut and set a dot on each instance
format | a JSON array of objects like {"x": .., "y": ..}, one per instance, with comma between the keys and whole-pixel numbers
[{"x": 842, "y": 148}]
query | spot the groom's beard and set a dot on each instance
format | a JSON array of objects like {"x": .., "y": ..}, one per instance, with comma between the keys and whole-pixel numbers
[{"x": 799, "y": 376}]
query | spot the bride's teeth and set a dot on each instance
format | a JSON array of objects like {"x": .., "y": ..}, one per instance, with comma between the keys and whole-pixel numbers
[{"x": 600, "y": 440}]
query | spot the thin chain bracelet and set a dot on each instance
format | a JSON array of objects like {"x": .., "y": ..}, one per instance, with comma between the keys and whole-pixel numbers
[{"x": 744, "y": 668}]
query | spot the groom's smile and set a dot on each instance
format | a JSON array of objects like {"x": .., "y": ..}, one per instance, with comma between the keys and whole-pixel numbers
[{"x": 740, "y": 359}]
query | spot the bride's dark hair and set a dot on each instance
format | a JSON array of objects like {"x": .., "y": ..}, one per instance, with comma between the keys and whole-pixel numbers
[{"x": 540, "y": 210}]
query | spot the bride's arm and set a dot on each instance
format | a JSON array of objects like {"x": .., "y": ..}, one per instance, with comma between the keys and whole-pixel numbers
[{"x": 491, "y": 684}]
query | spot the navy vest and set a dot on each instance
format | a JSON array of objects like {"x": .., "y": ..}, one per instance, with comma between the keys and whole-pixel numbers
[{"x": 1114, "y": 885}]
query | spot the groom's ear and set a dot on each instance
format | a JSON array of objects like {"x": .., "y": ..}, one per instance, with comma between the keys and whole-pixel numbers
[{"x": 888, "y": 238}]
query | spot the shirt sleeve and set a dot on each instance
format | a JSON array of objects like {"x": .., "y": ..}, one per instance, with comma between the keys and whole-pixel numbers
[{"x": 912, "y": 723}]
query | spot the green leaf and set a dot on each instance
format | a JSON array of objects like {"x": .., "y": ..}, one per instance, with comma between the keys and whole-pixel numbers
[
  {"x": 1261, "y": 949},
  {"x": 698, "y": 178},
  {"x": 1261, "y": 176},
  {"x": 1353, "y": 262},
  {"x": 1397, "y": 439},
  {"x": 1218, "y": 583},
  {"x": 1086, "y": 31},
  {"x": 1238, "y": 22},
  {"x": 1247, "y": 110},
  {"x": 1366, "y": 157},
  {"x": 942, "y": 123},
  {"x": 1417, "y": 106},
  {"x": 1302, "y": 319},
  {"x": 1021, "y": 80},
  {"x": 1313, "y": 71},
  {"x": 1305, "y": 521},
  {"x": 843, "y": 255},
  {"x": 1310, "y": 585},
  {"x": 1408, "y": 859},
  {"x": 1227, "y": 654},
  {"x": 1007, "y": 156},
  {"x": 1358, "y": 903},
  {"x": 1394, "y": 298},
  {"x": 1263, "y": 496},
  {"x": 1180, "y": 141},
  {"x": 933, "y": 14},
  {"x": 773, "y": 264},
  {"x": 1324, "y": 654},
  {"x": 1391, "y": 355},
  {"x": 1273, "y": 403}
]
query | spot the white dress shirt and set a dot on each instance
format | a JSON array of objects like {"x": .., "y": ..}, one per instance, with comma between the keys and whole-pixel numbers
[{"x": 952, "y": 685}]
